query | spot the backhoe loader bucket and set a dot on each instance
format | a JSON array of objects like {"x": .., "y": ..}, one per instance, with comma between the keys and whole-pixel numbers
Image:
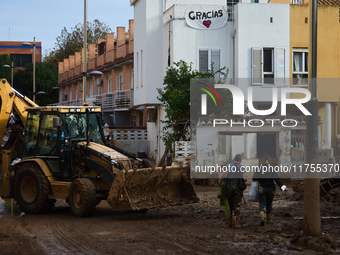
[{"x": 148, "y": 188}]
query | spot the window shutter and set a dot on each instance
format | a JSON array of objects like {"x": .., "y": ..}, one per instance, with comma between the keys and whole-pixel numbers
[
  {"x": 280, "y": 66},
  {"x": 109, "y": 84},
  {"x": 215, "y": 60},
  {"x": 256, "y": 66},
  {"x": 117, "y": 83},
  {"x": 203, "y": 61}
]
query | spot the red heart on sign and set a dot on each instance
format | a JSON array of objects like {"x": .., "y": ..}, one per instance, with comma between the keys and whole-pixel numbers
[{"x": 207, "y": 23}]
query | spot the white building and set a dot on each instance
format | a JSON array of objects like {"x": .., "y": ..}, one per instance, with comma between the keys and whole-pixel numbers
[{"x": 253, "y": 44}]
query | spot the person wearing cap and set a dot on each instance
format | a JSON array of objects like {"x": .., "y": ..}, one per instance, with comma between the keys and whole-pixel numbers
[
  {"x": 234, "y": 193},
  {"x": 266, "y": 188}
]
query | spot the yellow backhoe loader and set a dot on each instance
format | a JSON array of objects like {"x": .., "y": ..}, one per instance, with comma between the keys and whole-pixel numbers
[{"x": 63, "y": 156}]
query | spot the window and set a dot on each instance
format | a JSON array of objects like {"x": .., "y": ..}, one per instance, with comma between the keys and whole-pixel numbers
[
  {"x": 137, "y": 73},
  {"x": 100, "y": 89},
  {"x": 141, "y": 68},
  {"x": 21, "y": 59},
  {"x": 71, "y": 94},
  {"x": 109, "y": 84},
  {"x": 91, "y": 89},
  {"x": 76, "y": 92},
  {"x": 209, "y": 58},
  {"x": 230, "y": 9},
  {"x": 132, "y": 79},
  {"x": 268, "y": 66},
  {"x": 120, "y": 81},
  {"x": 47, "y": 138},
  {"x": 296, "y": 1},
  {"x": 300, "y": 67}
]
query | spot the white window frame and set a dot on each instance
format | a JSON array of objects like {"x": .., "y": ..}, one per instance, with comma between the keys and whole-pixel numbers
[
  {"x": 109, "y": 83},
  {"x": 91, "y": 89},
  {"x": 137, "y": 71},
  {"x": 303, "y": 72},
  {"x": 210, "y": 50},
  {"x": 77, "y": 87},
  {"x": 141, "y": 67},
  {"x": 120, "y": 81},
  {"x": 100, "y": 89},
  {"x": 278, "y": 69},
  {"x": 132, "y": 78},
  {"x": 272, "y": 61}
]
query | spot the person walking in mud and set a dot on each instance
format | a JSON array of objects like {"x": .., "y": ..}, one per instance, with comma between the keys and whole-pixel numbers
[
  {"x": 234, "y": 191},
  {"x": 266, "y": 179}
]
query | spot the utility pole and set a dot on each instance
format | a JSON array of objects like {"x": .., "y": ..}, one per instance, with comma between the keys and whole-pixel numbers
[
  {"x": 84, "y": 53},
  {"x": 311, "y": 215}
]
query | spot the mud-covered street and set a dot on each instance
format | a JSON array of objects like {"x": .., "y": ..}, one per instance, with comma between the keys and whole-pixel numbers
[{"x": 190, "y": 229}]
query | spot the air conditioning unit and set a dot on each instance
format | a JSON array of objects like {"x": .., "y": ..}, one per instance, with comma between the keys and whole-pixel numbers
[{"x": 151, "y": 114}]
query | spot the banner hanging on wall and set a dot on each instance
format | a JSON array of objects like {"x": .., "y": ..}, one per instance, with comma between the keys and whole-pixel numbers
[{"x": 206, "y": 17}]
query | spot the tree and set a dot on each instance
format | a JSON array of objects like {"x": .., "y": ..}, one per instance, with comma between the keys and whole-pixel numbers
[
  {"x": 5, "y": 72},
  {"x": 70, "y": 42},
  {"x": 175, "y": 97},
  {"x": 46, "y": 78}
]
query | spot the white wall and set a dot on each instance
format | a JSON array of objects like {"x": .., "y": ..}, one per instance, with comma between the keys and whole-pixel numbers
[
  {"x": 148, "y": 41},
  {"x": 185, "y": 41},
  {"x": 254, "y": 29}
]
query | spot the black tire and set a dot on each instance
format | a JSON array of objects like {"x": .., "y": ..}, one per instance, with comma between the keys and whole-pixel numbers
[
  {"x": 82, "y": 197},
  {"x": 32, "y": 190}
]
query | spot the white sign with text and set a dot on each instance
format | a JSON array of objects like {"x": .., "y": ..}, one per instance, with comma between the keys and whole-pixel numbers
[{"x": 206, "y": 17}]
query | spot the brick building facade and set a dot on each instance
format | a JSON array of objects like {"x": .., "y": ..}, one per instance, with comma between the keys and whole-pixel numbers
[
  {"x": 21, "y": 54},
  {"x": 112, "y": 90}
]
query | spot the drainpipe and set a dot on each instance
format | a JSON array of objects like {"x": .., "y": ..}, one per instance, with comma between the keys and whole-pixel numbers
[{"x": 328, "y": 125}]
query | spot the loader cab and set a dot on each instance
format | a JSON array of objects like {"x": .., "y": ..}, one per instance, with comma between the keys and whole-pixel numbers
[{"x": 53, "y": 133}]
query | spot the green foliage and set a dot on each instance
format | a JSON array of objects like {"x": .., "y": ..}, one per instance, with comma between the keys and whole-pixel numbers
[
  {"x": 46, "y": 77},
  {"x": 175, "y": 97},
  {"x": 5, "y": 72},
  {"x": 70, "y": 42}
]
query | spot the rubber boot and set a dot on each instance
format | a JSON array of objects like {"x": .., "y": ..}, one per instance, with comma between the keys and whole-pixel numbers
[
  {"x": 230, "y": 222},
  {"x": 262, "y": 218},
  {"x": 236, "y": 222},
  {"x": 269, "y": 218}
]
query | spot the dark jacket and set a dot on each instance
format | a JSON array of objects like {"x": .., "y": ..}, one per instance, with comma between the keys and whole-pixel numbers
[
  {"x": 235, "y": 175},
  {"x": 266, "y": 179}
]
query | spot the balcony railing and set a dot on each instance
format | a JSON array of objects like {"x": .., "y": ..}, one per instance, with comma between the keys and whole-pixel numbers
[
  {"x": 116, "y": 100},
  {"x": 76, "y": 102}
]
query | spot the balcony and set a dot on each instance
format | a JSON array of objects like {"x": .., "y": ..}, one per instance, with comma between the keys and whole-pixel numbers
[{"x": 116, "y": 100}]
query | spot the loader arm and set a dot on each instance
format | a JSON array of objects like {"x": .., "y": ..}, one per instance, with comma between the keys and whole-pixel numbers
[{"x": 10, "y": 98}]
